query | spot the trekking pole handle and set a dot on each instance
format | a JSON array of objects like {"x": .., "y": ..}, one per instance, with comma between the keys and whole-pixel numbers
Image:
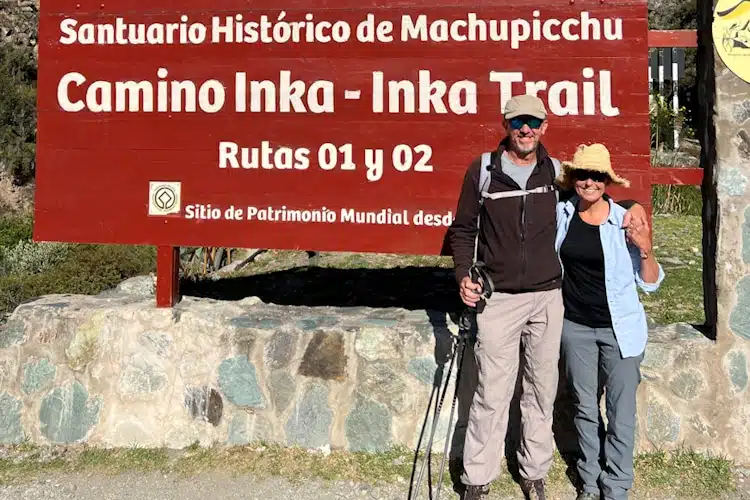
[{"x": 479, "y": 275}]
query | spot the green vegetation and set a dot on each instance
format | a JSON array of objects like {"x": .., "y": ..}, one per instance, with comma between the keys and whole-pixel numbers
[
  {"x": 679, "y": 474},
  {"x": 14, "y": 229},
  {"x": 29, "y": 270},
  {"x": 677, "y": 245},
  {"x": 677, "y": 200},
  {"x": 663, "y": 120},
  {"x": 17, "y": 113},
  {"x": 678, "y": 236},
  {"x": 686, "y": 474}
]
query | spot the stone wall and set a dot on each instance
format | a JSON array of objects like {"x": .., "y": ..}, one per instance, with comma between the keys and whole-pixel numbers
[{"x": 115, "y": 371}]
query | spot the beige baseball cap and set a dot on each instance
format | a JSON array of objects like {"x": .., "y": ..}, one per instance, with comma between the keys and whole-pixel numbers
[{"x": 525, "y": 105}]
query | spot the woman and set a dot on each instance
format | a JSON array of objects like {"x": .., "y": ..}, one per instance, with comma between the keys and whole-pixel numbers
[{"x": 605, "y": 328}]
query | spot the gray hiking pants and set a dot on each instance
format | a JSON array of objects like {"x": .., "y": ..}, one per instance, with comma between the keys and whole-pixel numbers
[
  {"x": 593, "y": 363},
  {"x": 509, "y": 321}
]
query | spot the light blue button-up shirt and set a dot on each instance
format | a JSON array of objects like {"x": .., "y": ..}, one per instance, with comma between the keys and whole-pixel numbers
[{"x": 622, "y": 265}]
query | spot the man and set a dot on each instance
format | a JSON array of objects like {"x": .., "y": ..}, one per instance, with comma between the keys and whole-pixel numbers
[{"x": 516, "y": 239}]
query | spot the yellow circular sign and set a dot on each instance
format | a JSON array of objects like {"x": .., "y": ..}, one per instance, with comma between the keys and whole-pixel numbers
[{"x": 731, "y": 33}]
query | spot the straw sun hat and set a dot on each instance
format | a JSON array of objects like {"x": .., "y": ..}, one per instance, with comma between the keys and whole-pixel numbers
[{"x": 594, "y": 158}]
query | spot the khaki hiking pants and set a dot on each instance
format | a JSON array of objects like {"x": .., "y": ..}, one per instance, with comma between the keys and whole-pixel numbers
[{"x": 534, "y": 321}]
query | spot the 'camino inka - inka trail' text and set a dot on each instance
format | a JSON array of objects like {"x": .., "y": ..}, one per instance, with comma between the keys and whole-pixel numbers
[{"x": 591, "y": 95}]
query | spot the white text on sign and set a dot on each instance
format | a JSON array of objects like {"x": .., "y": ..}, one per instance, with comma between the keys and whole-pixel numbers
[
  {"x": 322, "y": 215},
  {"x": 283, "y": 29},
  {"x": 329, "y": 156},
  {"x": 75, "y": 93}
]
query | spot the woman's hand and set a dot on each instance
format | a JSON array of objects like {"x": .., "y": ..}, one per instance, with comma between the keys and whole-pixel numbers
[
  {"x": 635, "y": 217},
  {"x": 640, "y": 236}
]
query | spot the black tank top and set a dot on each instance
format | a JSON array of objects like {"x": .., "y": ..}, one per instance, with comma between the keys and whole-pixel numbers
[{"x": 583, "y": 287}]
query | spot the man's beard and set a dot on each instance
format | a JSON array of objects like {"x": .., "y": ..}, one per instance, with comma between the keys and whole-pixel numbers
[{"x": 523, "y": 151}]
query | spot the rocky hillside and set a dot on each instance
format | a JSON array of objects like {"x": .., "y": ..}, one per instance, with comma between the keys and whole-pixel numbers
[
  {"x": 18, "y": 28},
  {"x": 672, "y": 14},
  {"x": 18, "y": 22}
]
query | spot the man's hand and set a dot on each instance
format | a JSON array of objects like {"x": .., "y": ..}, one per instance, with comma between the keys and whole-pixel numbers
[
  {"x": 469, "y": 292},
  {"x": 635, "y": 218}
]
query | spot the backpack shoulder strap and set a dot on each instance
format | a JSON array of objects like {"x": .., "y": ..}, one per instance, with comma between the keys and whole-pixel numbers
[
  {"x": 484, "y": 175},
  {"x": 484, "y": 184},
  {"x": 556, "y": 166}
]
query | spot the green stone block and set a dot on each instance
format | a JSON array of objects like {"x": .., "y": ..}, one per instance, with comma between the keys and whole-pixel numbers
[
  {"x": 663, "y": 424},
  {"x": 314, "y": 322},
  {"x": 737, "y": 362},
  {"x": 67, "y": 414},
  {"x": 310, "y": 422},
  {"x": 256, "y": 322},
  {"x": 424, "y": 369},
  {"x": 11, "y": 431},
  {"x": 38, "y": 376},
  {"x": 739, "y": 319},
  {"x": 282, "y": 389},
  {"x": 280, "y": 350},
  {"x": 12, "y": 334},
  {"x": 238, "y": 432},
  {"x": 732, "y": 182},
  {"x": 239, "y": 382},
  {"x": 687, "y": 384},
  {"x": 368, "y": 426}
]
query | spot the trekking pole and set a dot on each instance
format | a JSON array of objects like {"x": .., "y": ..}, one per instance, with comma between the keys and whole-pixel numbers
[
  {"x": 478, "y": 275},
  {"x": 458, "y": 350},
  {"x": 436, "y": 416},
  {"x": 464, "y": 323},
  {"x": 435, "y": 390}
]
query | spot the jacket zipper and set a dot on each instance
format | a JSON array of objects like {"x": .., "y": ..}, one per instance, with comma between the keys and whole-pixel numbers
[{"x": 523, "y": 242}]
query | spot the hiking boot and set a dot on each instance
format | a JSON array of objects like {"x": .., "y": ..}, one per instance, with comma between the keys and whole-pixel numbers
[
  {"x": 476, "y": 492},
  {"x": 534, "y": 490},
  {"x": 585, "y": 495}
]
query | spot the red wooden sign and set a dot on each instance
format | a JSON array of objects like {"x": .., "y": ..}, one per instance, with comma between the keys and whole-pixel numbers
[{"x": 326, "y": 125}]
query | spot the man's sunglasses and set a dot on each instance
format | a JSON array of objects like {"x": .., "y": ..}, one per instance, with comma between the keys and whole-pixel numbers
[
  {"x": 582, "y": 175},
  {"x": 519, "y": 121}
]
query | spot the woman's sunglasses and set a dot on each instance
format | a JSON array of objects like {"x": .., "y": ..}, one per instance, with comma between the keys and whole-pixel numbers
[{"x": 582, "y": 175}]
